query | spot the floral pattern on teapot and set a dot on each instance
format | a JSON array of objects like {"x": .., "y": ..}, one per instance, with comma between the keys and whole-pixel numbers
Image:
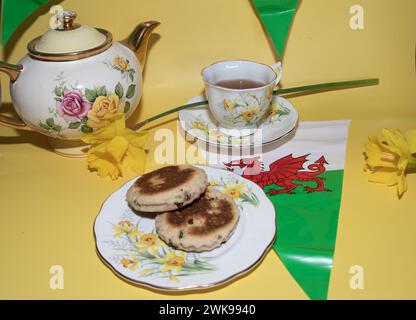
[{"x": 86, "y": 109}]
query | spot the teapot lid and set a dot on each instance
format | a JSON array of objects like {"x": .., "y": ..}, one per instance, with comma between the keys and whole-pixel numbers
[{"x": 69, "y": 41}]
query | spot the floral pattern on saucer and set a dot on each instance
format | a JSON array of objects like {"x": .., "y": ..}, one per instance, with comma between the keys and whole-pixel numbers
[{"x": 280, "y": 119}]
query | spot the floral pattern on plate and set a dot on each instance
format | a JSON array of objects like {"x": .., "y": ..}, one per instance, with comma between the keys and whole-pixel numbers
[
  {"x": 146, "y": 254},
  {"x": 238, "y": 190},
  {"x": 129, "y": 244}
]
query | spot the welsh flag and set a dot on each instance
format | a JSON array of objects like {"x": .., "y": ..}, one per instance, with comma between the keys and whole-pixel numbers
[{"x": 303, "y": 178}]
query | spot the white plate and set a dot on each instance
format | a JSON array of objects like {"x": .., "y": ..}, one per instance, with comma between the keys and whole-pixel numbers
[
  {"x": 128, "y": 244},
  {"x": 200, "y": 124}
]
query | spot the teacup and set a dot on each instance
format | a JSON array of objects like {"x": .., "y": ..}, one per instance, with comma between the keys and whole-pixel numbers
[{"x": 239, "y": 93}]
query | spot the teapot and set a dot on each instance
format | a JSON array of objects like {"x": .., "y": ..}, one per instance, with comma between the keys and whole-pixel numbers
[{"x": 75, "y": 78}]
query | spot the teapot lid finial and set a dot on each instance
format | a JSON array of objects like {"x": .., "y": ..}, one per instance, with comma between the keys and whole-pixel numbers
[{"x": 67, "y": 17}]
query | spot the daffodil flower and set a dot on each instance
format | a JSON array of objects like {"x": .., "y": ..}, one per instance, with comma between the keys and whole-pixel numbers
[
  {"x": 127, "y": 228},
  {"x": 234, "y": 190},
  {"x": 131, "y": 262},
  {"x": 214, "y": 183},
  {"x": 229, "y": 105},
  {"x": 148, "y": 242},
  {"x": 387, "y": 162},
  {"x": 115, "y": 146},
  {"x": 172, "y": 261}
]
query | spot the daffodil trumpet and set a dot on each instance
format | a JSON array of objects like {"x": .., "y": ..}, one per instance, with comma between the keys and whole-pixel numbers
[
  {"x": 388, "y": 161},
  {"x": 114, "y": 146}
]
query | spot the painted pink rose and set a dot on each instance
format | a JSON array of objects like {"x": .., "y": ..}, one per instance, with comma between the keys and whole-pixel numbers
[{"x": 73, "y": 107}]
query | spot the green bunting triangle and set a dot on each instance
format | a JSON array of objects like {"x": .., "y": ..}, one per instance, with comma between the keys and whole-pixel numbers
[
  {"x": 277, "y": 17},
  {"x": 14, "y": 12}
]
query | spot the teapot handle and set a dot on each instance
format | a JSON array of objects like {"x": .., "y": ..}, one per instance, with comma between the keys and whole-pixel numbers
[{"x": 13, "y": 72}]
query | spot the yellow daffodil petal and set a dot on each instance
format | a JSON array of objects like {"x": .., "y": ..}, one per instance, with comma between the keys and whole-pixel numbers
[
  {"x": 117, "y": 148},
  {"x": 115, "y": 145},
  {"x": 401, "y": 185},
  {"x": 174, "y": 278},
  {"x": 396, "y": 138},
  {"x": 154, "y": 249},
  {"x": 104, "y": 165},
  {"x": 374, "y": 154},
  {"x": 389, "y": 178},
  {"x": 169, "y": 267},
  {"x": 411, "y": 140},
  {"x": 145, "y": 272},
  {"x": 137, "y": 139},
  {"x": 135, "y": 159}
]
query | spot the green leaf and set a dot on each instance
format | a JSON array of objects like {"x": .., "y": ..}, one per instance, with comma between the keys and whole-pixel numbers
[
  {"x": 119, "y": 90},
  {"x": 57, "y": 128},
  {"x": 74, "y": 125},
  {"x": 84, "y": 120},
  {"x": 50, "y": 122},
  {"x": 127, "y": 107},
  {"x": 44, "y": 126},
  {"x": 90, "y": 95},
  {"x": 130, "y": 91},
  {"x": 86, "y": 129},
  {"x": 58, "y": 92},
  {"x": 101, "y": 91},
  {"x": 131, "y": 74}
]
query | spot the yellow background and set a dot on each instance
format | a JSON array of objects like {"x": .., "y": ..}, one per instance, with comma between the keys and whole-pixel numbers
[{"x": 48, "y": 203}]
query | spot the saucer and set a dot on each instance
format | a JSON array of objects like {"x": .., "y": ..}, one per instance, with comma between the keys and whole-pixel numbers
[{"x": 199, "y": 123}]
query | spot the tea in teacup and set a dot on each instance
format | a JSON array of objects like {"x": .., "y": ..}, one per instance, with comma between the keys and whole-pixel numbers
[{"x": 240, "y": 84}]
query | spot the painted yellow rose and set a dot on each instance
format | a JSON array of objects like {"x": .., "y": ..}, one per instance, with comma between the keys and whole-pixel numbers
[
  {"x": 103, "y": 109},
  {"x": 121, "y": 63}
]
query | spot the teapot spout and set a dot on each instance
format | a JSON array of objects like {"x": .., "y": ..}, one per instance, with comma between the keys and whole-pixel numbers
[{"x": 139, "y": 38}]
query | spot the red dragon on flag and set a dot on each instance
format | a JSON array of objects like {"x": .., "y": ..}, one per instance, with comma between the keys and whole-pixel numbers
[{"x": 282, "y": 172}]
